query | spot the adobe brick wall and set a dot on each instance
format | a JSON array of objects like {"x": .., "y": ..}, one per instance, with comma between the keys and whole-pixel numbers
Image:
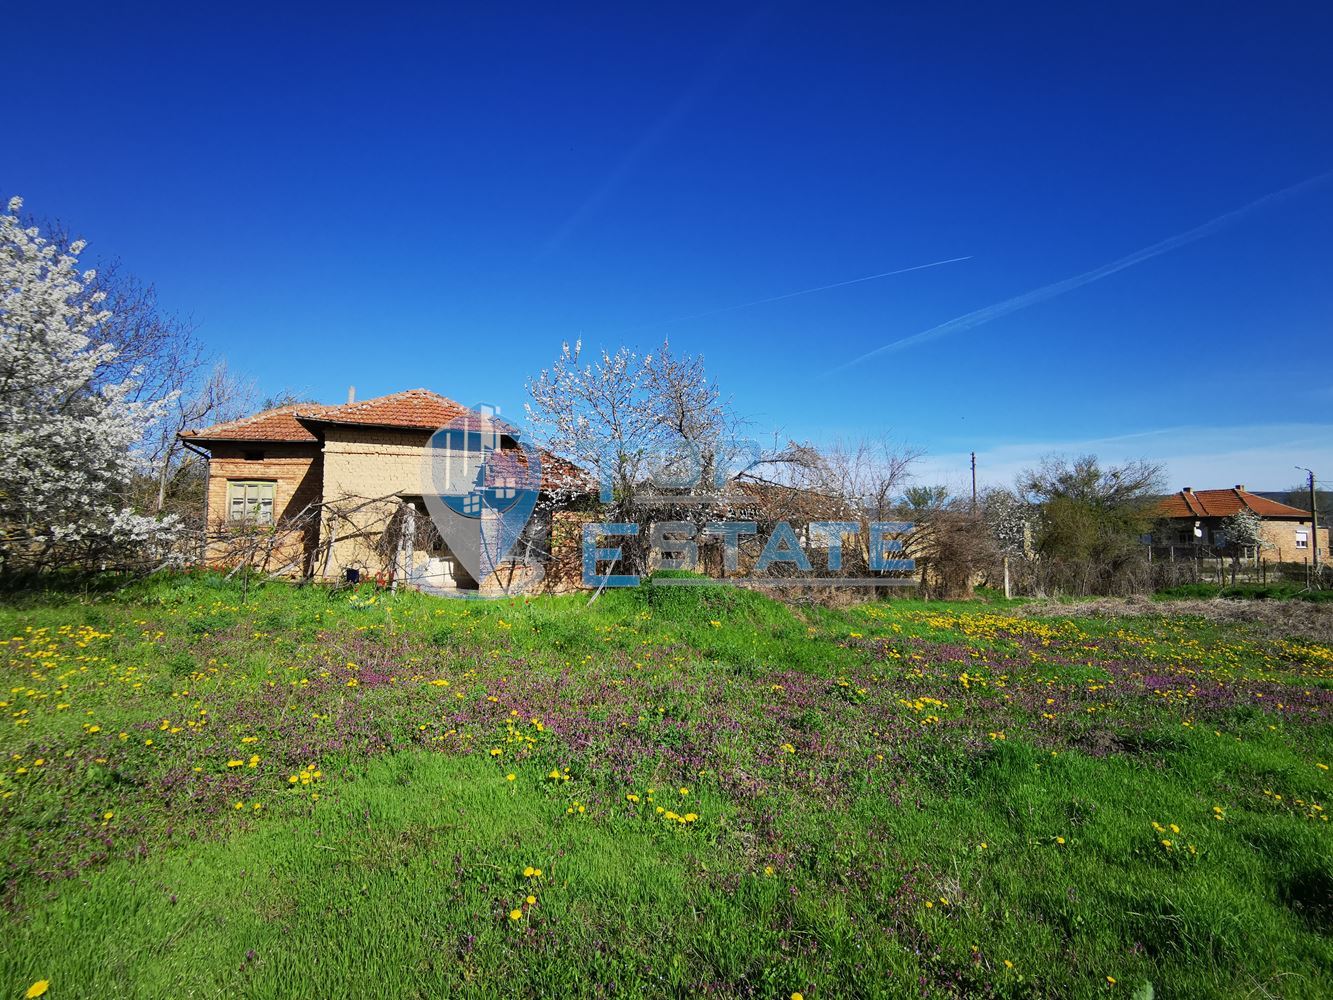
[
  {"x": 564, "y": 570},
  {"x": 352, "y": 466},
  {"x": 366, "y": 463},
  {"x": 295, "y": 470}
]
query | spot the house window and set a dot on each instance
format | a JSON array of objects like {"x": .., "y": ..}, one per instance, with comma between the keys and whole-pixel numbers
[
  {"x": 250, "y": 500},
  {"x": 1302, "y": 539}
]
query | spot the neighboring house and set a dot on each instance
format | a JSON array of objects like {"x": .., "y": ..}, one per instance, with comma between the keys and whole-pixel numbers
[
  {"x": 313, "y": 489},
  {"x": 1193, "y": 518}
]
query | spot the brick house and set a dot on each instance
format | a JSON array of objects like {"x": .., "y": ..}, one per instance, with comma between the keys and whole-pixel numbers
[
  {"x": 1192, "y": 518},
  {"x": 318, "y": 487}
]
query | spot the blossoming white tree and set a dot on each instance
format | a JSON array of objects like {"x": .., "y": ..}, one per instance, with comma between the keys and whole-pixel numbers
[{"x": 67, "y": 437}]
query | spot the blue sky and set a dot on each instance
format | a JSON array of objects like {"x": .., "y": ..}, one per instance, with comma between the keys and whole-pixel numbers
[{"x": 399, "y": 196}]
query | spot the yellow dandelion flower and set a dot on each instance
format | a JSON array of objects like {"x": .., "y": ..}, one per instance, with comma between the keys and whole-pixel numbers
[
  {"x": 37, "y": 989},
  {"x": 515, "y": 914}
]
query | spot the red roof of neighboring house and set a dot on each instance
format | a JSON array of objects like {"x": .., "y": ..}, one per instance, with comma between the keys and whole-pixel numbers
[
  {"x": 415, "y": 409},
  {"x": 1224, "y": 503},
  {"x": 509, "y": 467}
]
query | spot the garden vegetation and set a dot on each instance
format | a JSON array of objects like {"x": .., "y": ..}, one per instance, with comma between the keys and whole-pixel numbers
[{"x": 671, "y": 792}]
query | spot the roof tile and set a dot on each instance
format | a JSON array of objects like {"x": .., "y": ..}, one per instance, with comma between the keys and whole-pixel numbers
[
  {"x": 1223, "y": 503},
  {"x": 277, "y": 424},
  {"x": 415, "y": 409}
]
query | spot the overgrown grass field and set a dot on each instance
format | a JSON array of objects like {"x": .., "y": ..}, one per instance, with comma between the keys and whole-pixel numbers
[{"x": 671, "y": 792}]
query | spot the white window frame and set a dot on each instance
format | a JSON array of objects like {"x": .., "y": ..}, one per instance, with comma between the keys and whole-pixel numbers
[
  {"x": 1302, "y": 538},
  {"x": 251, "y": 500}
]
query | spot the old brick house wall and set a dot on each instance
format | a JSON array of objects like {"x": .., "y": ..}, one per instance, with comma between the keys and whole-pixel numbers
[
  {"x": 365, "y": 464},
  {"x": 328, "y": 480},
  {"x": 293, "y": 469}
]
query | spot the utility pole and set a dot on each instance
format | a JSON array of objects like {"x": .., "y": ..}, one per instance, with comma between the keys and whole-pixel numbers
[
  {"x": 974, "y": 483},
  {"x": 1314, "y": 524}
]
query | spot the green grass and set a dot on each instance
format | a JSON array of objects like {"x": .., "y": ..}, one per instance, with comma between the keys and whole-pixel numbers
[
  {"x": 894, "y": 799},
  {"x": 1246, "y": 591}
]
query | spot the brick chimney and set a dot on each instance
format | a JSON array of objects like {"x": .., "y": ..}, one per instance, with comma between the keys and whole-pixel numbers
[
  {"x": 1188, "y": 489},
  {"x": 351, "y": 394},
  {"x": 1241, "y": 487}
]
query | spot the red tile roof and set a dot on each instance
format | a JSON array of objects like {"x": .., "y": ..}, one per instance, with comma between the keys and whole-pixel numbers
[
  {"x": 277, "y": 424},
  {"x": 1224, "y": 503},
  {"x": 415, "y": 409}
]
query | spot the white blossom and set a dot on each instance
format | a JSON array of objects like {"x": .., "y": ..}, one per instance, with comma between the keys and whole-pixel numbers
[{"x": 67, "y": 449}]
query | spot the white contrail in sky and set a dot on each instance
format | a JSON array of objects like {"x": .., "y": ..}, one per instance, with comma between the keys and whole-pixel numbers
[
  {"x": 803, "y": 291},
  {"x": 988, "y": 313}
]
